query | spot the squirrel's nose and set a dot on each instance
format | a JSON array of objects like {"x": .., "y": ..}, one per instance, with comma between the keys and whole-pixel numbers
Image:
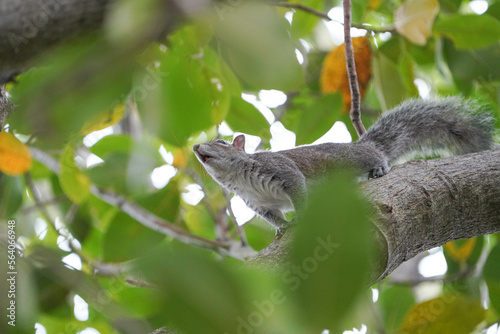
[{"x": 195, "y": 147}]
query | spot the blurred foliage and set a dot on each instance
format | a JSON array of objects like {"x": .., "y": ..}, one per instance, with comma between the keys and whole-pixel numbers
[{"x": 154, "y": 101}]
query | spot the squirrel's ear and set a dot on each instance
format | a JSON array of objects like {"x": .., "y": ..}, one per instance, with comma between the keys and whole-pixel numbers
[{"x": 239, "y": 142}]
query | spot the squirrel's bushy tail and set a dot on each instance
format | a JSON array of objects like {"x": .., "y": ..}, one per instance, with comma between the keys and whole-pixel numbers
[{"x": 451, "y": 124}]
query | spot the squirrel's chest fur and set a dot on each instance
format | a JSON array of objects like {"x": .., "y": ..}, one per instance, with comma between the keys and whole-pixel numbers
[{"x": 260, "y": 185}]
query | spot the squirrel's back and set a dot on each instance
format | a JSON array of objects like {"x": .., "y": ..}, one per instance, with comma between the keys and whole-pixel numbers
[{"x": 425, "y": 126}]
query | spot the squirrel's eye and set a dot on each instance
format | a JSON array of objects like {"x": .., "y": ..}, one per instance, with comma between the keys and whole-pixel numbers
[{"x": 220, "y": 141}]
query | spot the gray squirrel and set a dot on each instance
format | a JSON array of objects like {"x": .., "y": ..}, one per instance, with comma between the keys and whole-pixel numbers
[{"x": 271, "y": 183}]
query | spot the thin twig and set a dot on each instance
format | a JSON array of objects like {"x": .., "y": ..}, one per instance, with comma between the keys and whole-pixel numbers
[
  {"x": 52, "y": 201},
  {"x": 439, "y": 278},
  {"x": 141, "y": 284},
  {"x": 70, "y": 215},
  {"x": 325, "y": 17},
  {"x": 304, "y": 9},
  {"x": 280, "y": 111},
  {"x": 38, "y": 203},
  {"x": 355, "y": 112},
  {"x": 239, "y": 229},
  {"x": 109, "y": 269}
]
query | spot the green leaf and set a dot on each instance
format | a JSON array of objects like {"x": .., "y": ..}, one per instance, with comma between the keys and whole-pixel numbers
[
  {"x": 122, "y": 229},
  {"x": 199, "y": 222},
  {"x": 244, "y": 117},
  {"x": 407, "y": 70},
  {"x": 450, "y": 313},
  {"x": 494, "y": 293},
  {"x": 113, "y": 143},
  {"x": 112, "y": 174},
  {"x": 494, "y": 10},
  {"x": 48, "y": 263},
  {"x": 331, "y": 254},
  {"x": 395, "y": 302},
  {"x": 126, "y": 239},
  {"x": 68, "y": 87},
  {"x": 256, "y": 45},
  {"x": 51, "y": 294},
  {"x": 259, "y": 234},
  {"x": 189, "y": 95},
  {"x": 317, "y": 118},
  {"x": 74, "y": 183},
  {"x": 303, "y": 22},
  {"x": 469, "y": 31},
  {"x": 388, "y": 82},
  {"x": 11, "y": 193},
  {"x": 358, "y": 10},
  {"x": 198, "y": 295},
  {"x": 468, "y": 66},
  {"x": 81, "y": 224},
  {"x": 140, "y": 303},
  {"x": 450, "y": 6},
  {"x": 127, "y": 166},
  {"x": 491, "y": 274},
  {"x": 164, "y": 203},
  {"x": 491, "y": 267},
  {"x": 310, "y": 116}
]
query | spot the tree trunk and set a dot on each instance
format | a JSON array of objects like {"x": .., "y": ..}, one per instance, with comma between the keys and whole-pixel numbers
[{"x": 421, "y": 205}]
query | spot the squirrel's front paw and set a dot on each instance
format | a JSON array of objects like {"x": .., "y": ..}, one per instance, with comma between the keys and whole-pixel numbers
[{"x": 378, "y": 172}]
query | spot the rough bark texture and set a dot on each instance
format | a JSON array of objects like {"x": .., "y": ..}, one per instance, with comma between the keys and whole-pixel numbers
[
  {"x": 423, "y": 204},
  {"x": 28, "y": 27},
  {"x": 5, "y": 106}
]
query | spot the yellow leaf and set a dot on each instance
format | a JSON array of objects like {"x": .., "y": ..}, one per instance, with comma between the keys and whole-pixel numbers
[
  {"x": 449, "y": 313},
  {"x": 334, "y": 73},
  {"x": 460, "y": 250},
  {"x": 414, "y": 19},
  {"x": 15, "y": 158},
  {"x": 374, "y": 4},
  {"x": 104, "y": 119}
]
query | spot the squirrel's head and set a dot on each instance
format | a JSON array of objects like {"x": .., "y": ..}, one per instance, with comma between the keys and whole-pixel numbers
[{"x": 218, "y": 156}]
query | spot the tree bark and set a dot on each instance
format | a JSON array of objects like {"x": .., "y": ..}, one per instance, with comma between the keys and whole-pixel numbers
[
  {"x": 28, "y": 27},
  {"x": 421, "y": 205}
]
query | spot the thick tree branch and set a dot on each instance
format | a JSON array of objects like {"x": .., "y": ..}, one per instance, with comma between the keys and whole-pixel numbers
[
  {"x": 30, "y": 27},
  {"x": 421, "y": 205}
]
